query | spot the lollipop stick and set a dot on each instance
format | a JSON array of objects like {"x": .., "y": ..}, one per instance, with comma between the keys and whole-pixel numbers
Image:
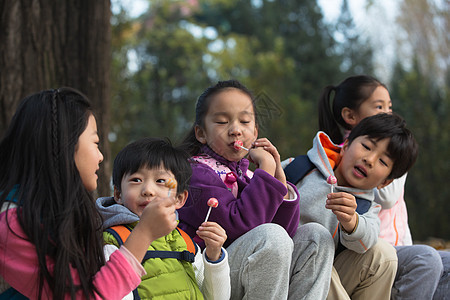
[
  {"x": 207, "y": 215},
  {"x": 239, "y": 145}
]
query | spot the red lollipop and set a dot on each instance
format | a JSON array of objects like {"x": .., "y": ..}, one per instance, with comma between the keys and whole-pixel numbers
[
  {"x": 332, "y": 180},
  {"x": 239, "y": 145},
  {"x": 212, "y": 202}
]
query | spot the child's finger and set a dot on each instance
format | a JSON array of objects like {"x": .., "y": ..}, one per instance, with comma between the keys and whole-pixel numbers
[
  {"x": 213, "y": 230},
  {"x": 342, "y": 217}
]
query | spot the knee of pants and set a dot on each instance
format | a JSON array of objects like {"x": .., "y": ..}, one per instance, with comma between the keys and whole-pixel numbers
[
  {"x": 421, "y": 255},
  {"x": 314, "y": 232},
  {"x": 382, "y": 251},
  {"x": 274, "y": 239}
]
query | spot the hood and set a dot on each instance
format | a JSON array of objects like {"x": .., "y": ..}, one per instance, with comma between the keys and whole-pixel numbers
[
  {"x": 113, "y": 213},
  {"x": 325, "y": 155}
]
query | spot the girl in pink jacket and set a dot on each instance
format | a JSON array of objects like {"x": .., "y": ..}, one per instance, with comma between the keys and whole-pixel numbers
[{"x": 50, "y": 231}]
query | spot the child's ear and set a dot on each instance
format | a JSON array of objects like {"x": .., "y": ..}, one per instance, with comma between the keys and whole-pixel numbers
[
  {"x": 349, "y": 116},
  {"x": 181, "y": 199},
  {"x": 344, "y": 148},
  {"x": 117, "y": 195},
  {"x": 384, "y": 183},
  {"x": 200, "y": 134}
]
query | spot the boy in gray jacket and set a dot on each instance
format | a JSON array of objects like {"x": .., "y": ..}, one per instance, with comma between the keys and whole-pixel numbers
[{"x": 379, "y": 149}]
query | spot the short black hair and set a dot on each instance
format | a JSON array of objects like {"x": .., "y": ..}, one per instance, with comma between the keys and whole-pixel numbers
[
  {"x": 152, "y": 153},
  {"x": 402, "y": 148}
]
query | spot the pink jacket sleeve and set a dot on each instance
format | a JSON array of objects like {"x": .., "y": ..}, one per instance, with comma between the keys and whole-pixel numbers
[{"x": 18, "y": 265}]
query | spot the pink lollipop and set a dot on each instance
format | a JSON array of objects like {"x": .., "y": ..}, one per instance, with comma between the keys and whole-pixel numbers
[
  {"x": 212, "y": 202},
  {"x": 171, "y": 184},
  {"x": 331, "y": 180},
  {"x": 239, "y": 145}
]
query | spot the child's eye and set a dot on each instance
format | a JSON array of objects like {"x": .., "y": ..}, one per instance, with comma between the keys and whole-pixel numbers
[
  {"x": 365, "y": 146},
  {"x": 245, "y": 122},
  {"x": 383, "y": 162},
  {"x": 135, "y": 179},
  {"x": 161, "y": 181},
  {"x": 221, "y": 122}
]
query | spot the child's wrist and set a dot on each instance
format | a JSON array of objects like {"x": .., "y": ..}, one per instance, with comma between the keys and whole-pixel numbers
[
  {"x": 353, "y": 227},
  {"x": 212, "y": 254},
  {"x": 215, "y": 258}
]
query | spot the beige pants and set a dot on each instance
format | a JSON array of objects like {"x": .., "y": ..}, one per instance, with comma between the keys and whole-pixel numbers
[{"x": 364, "y": 276}]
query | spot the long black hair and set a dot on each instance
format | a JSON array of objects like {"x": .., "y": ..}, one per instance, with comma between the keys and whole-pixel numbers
[
  {"x": 56, "y": 212},
  {"x": 190, "y": 143},
  {"x": 351, "y": 93}
]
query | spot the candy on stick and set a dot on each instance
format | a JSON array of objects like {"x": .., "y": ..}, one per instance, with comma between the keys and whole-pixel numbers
[
  {"x": 171, "y": 184},
  {"x": 239, "y": 145},
  {"x": 331, "y": 180},
  {"x": 212, "y": 202}
]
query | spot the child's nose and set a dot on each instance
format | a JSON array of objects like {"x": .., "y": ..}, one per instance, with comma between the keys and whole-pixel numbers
[
  {"x": 148, "y": 190},
  {"x": 100, "y": 156},
  {"x": 235, "y": 129},
  {"x": 369, "y": 159}
]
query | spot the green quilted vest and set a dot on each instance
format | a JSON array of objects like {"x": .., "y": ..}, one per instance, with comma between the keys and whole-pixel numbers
[{"x": 167, "y": 278}]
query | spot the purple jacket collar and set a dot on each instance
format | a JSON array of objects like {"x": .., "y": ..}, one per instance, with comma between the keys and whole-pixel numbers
[{"x": 239, "y": 167}]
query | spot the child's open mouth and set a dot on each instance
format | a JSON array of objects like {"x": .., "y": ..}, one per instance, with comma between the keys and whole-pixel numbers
[{"x": 361, "y": 171}]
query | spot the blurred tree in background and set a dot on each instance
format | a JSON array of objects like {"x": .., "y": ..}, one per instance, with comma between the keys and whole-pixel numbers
[
  {"x": 49, "y": 44},
  {"x": 421, "y": 93}
]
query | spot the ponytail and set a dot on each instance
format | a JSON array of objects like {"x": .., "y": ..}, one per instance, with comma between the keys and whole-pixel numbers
[
  {"x": 327, "y": 119},
  {"x": 350, "y": 93}
]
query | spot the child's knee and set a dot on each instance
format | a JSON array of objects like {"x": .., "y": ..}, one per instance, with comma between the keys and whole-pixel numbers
[
  {"x": 314, "y": 233},
  {"x": 420, "y": 256},
  {"x": 382, "y": 251},
  {"x": 431, "y": 256},
  {"x": 274, "y": 239}
]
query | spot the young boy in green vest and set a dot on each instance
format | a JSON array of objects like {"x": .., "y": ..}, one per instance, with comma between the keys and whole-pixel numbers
[{"x": 149, "y": 170}]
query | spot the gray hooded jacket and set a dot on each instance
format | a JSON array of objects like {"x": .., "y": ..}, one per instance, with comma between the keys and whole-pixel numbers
[{"x": 313, "y": 190}]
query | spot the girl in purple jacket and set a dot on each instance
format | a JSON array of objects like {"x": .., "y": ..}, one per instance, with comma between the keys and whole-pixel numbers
[{"x": 259, "y": 210}]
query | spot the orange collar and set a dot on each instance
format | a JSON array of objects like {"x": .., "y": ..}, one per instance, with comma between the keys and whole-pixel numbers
[{"x": 332, "y": 151}]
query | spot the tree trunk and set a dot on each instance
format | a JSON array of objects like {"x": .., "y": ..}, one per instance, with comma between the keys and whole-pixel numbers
[{"x": 48, "y": 44}]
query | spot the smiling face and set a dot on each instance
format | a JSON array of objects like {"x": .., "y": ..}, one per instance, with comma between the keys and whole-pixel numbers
[
  {"x": 142, "y": 187},
  {"x": 88, "y": 156},
  {"x": 230, "y": 117},
  {"x": 365, "y": 164}
]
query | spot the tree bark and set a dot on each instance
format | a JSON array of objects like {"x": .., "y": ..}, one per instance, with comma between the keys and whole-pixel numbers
[{"x": 48, "y": 44}]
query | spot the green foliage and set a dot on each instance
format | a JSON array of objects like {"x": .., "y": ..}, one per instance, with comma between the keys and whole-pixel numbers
[
  {"x": 282, "y": 50},
  {"x": 425, "y": 106}
]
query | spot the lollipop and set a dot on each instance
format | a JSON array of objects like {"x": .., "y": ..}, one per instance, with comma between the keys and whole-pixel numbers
[
  {"x": 239, "y": 145},
  {"x": 331, "y": 180},
  {"x": 212, "y": 202},
  {"x": 171, "y": 184}
]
